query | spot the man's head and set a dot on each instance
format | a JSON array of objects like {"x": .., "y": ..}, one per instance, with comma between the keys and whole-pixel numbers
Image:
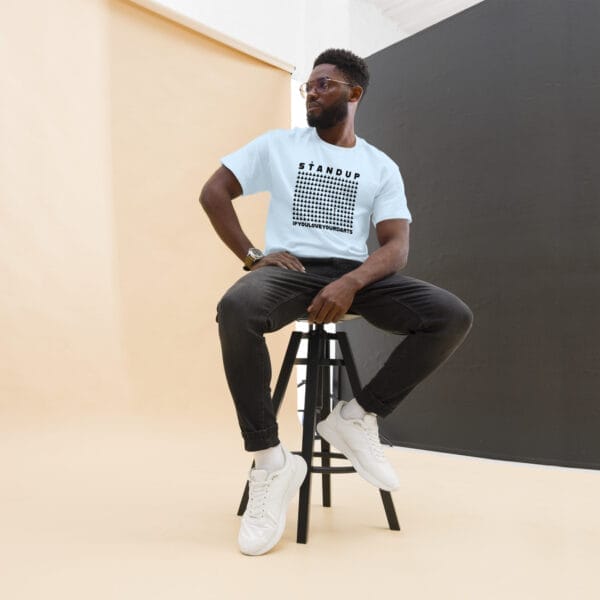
[
  {"x": 337, "y": 83},
  {"x": 353, "y": 68}
]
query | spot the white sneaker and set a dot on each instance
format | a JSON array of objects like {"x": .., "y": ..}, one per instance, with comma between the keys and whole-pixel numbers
[
  {"x": 270, "y": 494},
  {"x": 358, "y": 440}
]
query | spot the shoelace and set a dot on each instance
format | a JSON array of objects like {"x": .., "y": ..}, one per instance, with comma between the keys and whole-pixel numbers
[
  {"x": 376, "y": 447},
  {"x": 259, "y": 491}
]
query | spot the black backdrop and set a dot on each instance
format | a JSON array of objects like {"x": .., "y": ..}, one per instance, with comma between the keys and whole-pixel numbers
[{"x": 494, "y": 118}]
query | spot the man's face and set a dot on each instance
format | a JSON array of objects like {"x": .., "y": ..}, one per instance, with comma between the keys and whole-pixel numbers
[{"x": 328, "y": 108}]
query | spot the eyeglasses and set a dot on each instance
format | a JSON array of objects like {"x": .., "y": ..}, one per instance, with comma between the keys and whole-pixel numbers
[{"x": 320, "y": 85}]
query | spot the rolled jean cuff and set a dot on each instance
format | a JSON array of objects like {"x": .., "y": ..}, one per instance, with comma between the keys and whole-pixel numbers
[
  {"x": 374, "y": 405},
  {"x": 261, "y": 440}
]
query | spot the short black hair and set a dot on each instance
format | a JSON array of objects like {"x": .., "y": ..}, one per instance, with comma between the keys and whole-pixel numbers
[{"x": 352, "y": 66}]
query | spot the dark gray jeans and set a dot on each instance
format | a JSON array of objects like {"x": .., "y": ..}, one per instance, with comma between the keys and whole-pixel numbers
[{"x": 435, "y": 321}]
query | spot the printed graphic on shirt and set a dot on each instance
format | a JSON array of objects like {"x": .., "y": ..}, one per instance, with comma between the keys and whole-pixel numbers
[{"x": 324, "y": 197}]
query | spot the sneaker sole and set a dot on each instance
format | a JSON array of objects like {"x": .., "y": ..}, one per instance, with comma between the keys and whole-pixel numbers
[
  {"x": 331, "y": 436},
  {"x": 296, "y": 481}
]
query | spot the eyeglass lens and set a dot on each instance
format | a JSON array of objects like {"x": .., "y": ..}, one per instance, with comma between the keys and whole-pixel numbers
[{"x": 319, "y": 85}]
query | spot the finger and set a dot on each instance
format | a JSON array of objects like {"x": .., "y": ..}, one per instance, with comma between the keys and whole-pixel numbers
[
  {"x": 336, "y": 317},
  {"x": 332, "y": 315},
  {"x": 336, "y": 312},
  {"x": 322, "y": 316},
  {"x": 294, "y": 263},
  {"x": 278, "y": 261},
  {"x": 314, "y": 307},
  {"x": 313, "y": 310},
  {"x": 263, "y": 262},
  {"x": 294, "y": 267}
]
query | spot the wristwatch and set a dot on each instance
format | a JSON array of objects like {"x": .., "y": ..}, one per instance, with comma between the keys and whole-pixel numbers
[{"x": 254, "y": 255}]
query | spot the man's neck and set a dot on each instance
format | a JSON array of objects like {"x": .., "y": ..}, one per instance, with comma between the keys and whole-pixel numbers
[{"x": 341, "y": 134}]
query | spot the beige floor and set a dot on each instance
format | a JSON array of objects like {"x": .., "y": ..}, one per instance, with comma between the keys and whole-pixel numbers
[{"x": 132, "y": 508}]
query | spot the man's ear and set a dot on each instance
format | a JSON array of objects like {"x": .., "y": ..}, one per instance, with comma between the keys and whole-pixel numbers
[{"x": 356, "y": 93}]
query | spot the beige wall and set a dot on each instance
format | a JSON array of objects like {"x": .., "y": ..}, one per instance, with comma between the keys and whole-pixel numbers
[{"x": 111, "y": 119}]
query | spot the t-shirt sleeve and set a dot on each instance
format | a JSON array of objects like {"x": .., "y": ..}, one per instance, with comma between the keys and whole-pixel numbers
[
  {"x": 250, "y": 165},
  {"x": 390, "y": 200}
]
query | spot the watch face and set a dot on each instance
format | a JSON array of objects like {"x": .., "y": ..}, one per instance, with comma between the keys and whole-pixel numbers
[{"x": 253, "y": 255}]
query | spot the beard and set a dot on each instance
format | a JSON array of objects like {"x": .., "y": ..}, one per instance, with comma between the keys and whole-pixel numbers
[{"x": 328, "y": 117}]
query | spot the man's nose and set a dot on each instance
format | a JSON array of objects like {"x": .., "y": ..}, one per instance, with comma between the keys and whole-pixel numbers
[{"x": 312, "y": 93}]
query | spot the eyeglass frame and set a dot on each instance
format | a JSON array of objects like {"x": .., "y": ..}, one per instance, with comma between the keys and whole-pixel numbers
[{"x": 304, "y": 91}]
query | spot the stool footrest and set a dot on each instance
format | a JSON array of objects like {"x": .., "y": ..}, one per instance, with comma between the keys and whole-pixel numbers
[
  {"x": 323, "y": 454},
  {"x": 325, "y": 362},
  {"x": 329, "y": 455},
  {"x": 327, "y": 468},
  {"x": 315, "y": 469}
]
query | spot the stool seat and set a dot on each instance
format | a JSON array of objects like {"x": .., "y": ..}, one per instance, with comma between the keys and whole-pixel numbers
[
  {"x": 319, "y": 401},
  {"x": 345, "y": 317}
]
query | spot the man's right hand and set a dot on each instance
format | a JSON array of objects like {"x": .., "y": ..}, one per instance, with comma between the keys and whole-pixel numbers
[{"x": 284, "y": 260}]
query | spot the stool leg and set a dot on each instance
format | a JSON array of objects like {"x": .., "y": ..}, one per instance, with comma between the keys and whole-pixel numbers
[
  {"x": 280, "y": 387},
  {"x": 245, "y": 497},
  {"x": 348, "y": 358},
  {"x": 325, "y": 397},
  {"x": 326, "y": 477},
  {"x": 308, "y": 431},
  {"x": 390, "y": 511}
]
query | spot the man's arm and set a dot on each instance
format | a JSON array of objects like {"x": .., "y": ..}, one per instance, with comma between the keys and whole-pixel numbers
[
  {"x": 334, "y": 300},
  {"x": 217, "y": 198}
]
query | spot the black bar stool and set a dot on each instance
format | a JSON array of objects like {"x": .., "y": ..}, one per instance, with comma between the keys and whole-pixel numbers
[{"x": 318, "y": 400}]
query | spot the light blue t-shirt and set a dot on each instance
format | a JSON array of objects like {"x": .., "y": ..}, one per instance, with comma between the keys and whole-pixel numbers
[{"x": 323, "y": 197}]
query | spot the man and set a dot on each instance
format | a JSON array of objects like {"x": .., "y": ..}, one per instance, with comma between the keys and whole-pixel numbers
[{"x": 326, "y": 186}]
